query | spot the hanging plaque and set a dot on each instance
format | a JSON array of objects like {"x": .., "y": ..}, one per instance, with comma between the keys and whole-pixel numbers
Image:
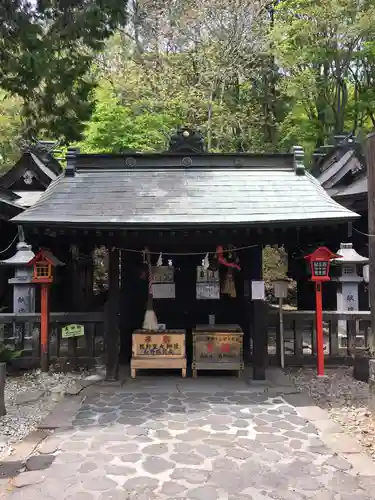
[
  {"x": 163, "y": 290},
  {"x": 207, "y": 275},
  {"x": 163, "y": 286},
  {"x": 162, "y": 274},
  {"x": 206, "y": 291}
]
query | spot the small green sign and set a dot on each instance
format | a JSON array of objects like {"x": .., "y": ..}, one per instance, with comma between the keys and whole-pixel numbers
[{"x": 69, "y": 331}]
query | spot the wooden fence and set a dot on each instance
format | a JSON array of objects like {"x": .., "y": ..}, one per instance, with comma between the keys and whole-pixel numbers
[
  {"x": 341, "y": 340},
  {"x": 22, "y": 332},
  {"x": 345, "y": 333}
]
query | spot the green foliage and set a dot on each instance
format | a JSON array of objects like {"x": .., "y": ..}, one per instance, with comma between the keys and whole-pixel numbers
[
  {"x": 325, "y": 50},
  {"x": 7, "y": 355},
  {"x": 116, "y": 127},
  {"x": 10, "y": 129},
  {"x": 46, "y": 51},
  {"x": 250, "y": 75}
]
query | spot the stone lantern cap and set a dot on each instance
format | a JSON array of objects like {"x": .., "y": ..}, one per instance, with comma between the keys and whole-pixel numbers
[
  {"x": 21, "y": 258},
  {"x": 349, "y": 255}
]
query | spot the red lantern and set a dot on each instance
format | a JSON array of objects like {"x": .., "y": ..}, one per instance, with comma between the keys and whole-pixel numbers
[
  {"x": 319, "y": 261},
  {"x": 43, "y": 264},
  {"x": 319, "y": 264}
]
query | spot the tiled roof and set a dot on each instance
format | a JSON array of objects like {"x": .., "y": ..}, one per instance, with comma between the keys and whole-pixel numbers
[{"x": 195, "y": 195}]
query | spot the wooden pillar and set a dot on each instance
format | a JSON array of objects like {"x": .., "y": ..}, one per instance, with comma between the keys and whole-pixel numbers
[
  {"x": 370, "y": 160},
  {"x": 129, "y": 278},
  {"x": 112, "y": 332},
  {"x": 259, "y": 318},
  {"x": 246, "y": 326}
]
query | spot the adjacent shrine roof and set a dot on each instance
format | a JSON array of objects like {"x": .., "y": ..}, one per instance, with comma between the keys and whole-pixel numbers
[
  {"x": 340, "y": 168},
  {"x": 164, "y": 189}
]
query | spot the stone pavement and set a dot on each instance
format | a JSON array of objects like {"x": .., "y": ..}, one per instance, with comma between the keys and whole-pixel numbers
[{"x": 198, "y": 441}]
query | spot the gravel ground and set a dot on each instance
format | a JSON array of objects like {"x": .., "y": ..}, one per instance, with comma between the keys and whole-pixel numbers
[
  {"x": 345, "y": 398},
  {"x": 21, "y": 419}
]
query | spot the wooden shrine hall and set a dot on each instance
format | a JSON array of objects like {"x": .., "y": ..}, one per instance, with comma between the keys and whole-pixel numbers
[{"x": 184, "y": 231}]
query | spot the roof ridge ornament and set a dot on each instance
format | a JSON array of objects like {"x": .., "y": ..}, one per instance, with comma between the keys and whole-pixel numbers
[
  {"x": 187, "y": 140},
  {"x": 71, "y": 157},
  {"x": 298, "y": 160}
]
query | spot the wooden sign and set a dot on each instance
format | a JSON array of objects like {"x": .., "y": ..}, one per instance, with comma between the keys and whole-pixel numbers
[
  {"x": 217, "y": 350},
  {"x": 70, "y": 331},
  {"x": 158, "y": 344},
  {"x": 218, "y": 347},
  {"x": 157, "y": 349}
]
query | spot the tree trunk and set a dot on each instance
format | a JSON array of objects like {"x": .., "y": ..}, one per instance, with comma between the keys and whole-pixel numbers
[{"x": 3, "y": 371}]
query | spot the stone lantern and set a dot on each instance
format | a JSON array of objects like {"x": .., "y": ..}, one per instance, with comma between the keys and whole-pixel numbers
[
  {"x": 23, "y": 289},
  {"x": 348, "y": 281}
]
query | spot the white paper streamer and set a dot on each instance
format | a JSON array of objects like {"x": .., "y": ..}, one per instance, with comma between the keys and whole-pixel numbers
[
  {"x": 160, "y": 260},
  {"x": 206, "y": 263}
]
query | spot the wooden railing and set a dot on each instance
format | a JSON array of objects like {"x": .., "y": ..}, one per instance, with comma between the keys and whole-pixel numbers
[
  {"x": 22, "y": 332},
  {"x": 341, "y": 341},
  {"x": 345, "y": 334}
]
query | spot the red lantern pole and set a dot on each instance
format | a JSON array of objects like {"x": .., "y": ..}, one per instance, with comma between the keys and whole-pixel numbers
[
  {"x": 319, "y": 262},
  {"x": 319, "y": 329},
  {"x": 44, "y": 324}
]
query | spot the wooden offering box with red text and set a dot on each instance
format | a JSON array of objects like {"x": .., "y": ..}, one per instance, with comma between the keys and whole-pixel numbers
[
  {"x": 158, "y": 349},
  {"x": 217, "y": 347}
]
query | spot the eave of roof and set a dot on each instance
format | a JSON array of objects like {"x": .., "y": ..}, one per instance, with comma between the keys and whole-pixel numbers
[
  {"x": 28, "y": 198},
  {"x": 356, "y": 188}
]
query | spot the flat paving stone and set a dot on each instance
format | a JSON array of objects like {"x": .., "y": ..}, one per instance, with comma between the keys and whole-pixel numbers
[
  {"x": 224, "y": 464},
  {"x": 193, "y": 476},
  {"x": 113, "y": 495},
  {"x": 30, "y": 478},
  {"x": 82, "y": 495},
  {"x": 155, "y": 449},
  {"x": 98, "y": 483},
  {"x": 201, "y": 446},
  {"x": 9, "y": 469},
  {"x": 207, "y": 451},
  {"x": 269, "y": 438},
  {"x": 172, "y": 488},
  {"x": 155, "y": 465},
  {"x": 203, "y": 493},
  {"x": 39, "y": 462},
  {"x": 131, "y": 457},
  {"x": 338, "y": 463},
  {"x": 186, "y": 458},
  {"x": 87, "y": 467},
  {"x": 141, "y": 482},
  {"x": 119, "y": 470},
  {"x": 122, "y": 448}
]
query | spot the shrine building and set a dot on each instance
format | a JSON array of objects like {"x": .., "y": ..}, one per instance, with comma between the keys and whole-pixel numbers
[{"x": 187, "y": 212}]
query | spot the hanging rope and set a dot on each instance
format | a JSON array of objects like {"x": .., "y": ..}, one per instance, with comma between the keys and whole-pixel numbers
[
  {"x": 149, "y": 268},
  {"x": 10, "y": 244},
  {"x": 230, "y": 250},
  {"x": 364, "y": 234}
]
